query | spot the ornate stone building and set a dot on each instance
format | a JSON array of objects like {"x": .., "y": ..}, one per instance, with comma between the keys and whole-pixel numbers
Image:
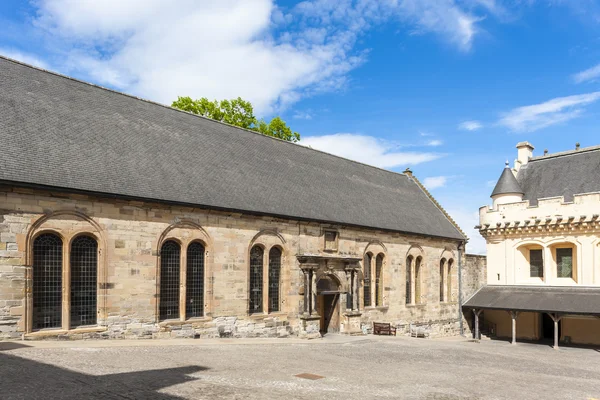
[
  {"x": 543, "y": 249},
  {"x": 121, "y": 218}
]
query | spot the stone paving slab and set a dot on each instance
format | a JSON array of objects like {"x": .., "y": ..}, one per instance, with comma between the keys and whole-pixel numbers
[{"x": 351, "y": 368}]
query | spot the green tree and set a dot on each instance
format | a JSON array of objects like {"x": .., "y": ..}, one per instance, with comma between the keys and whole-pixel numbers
[{"x": 237, "y": 112}]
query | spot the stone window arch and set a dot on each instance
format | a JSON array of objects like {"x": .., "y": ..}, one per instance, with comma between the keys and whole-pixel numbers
[
  {"x": 255, "y": 298},
  {"x": 414, "y": 275},
  {"x": 47, "y": 281},
  {"x": 170, "y": 274}
]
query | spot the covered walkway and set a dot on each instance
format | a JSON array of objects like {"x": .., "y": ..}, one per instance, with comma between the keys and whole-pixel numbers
[{"x": 557, "y": 302}]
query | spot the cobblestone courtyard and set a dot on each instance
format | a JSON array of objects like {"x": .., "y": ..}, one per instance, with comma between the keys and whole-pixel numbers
[{"x": 352, "y": 368}]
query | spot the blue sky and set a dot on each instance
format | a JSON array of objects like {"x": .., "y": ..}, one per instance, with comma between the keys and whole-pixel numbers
[{"x": 445, "y": 87}]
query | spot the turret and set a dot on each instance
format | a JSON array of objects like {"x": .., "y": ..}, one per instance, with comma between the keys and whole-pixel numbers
[{"x": 507, "y": 190}]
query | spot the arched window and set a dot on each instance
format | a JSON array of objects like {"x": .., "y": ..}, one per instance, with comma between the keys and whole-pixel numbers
[
  {"x": 367, "y": 279},
  {"x": 449, "y": 281},
  {"x": 379, "y": 280},
  {"x": 256, "y": 280},
  {"x": 409, "y": 262},
  {"x": 274, "y": 274},
  {"x": 418, "y": 280},
  {"x": 84, "y": 281},
  {"x": 194, "y": 281},
  {"x": 442, "y": 284},
  {"x": 170, "y": 253},
  {"x": 47, "y": 281}
]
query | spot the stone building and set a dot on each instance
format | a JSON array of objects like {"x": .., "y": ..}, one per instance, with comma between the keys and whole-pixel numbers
[
  {"x": 121, "y": 218},
  {"x": 543, "y": 249}
]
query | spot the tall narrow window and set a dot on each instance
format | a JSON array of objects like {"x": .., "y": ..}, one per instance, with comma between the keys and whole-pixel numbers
[
  {"x": 442, "y": 284},
  {"x": 564, "y": 263},
  {"x": 84, "y": 280},
  {"x": 256, "y": 280},
  {"x": 169, "y": 280},
  {"x": 409, "y": 261},
  {"x": 418, "y": 280},
  {"x": 536, "y": 263},
  {"x": 379, "y": 280},
  {"x": 47, "y": 281},
  {"x": 367, "y": 280},
  {"x": 449, "y": 281},
  {"x": 274, "y": 275},
  {"x": 194, "y": 281}
]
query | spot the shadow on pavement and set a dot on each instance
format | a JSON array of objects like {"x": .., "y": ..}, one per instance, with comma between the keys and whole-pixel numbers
[{"x": 21, "y": 378}]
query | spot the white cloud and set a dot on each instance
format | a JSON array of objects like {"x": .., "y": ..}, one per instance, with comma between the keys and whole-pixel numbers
[
  {"x": 367, "y": 149},
  {"x": 227, "y": 48},
  {"x": 589, "y": 74},
  {"x": 434, "y": 182},
  {"x": 435, "y": 142},
  {"x": 302, "y": 115},
  {"x": 470, "y": 125},
  {"x": 24, "y": 57},
  {"x": 554, "y": 111}
]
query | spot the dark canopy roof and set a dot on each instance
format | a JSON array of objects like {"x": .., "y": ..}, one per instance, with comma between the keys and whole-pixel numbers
[
  {"x": 561, "y": 174},
  {"x": 62, "y": 133},
  {"x": 507, "y": 183},
  {"x": 564, "y": 299}
]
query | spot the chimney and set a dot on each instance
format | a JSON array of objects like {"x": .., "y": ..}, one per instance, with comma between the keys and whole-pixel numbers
[
  {"x": 408, "y": 172},
  {"x": 524, "y": 153},
  {"x": 577, "y": 146}
]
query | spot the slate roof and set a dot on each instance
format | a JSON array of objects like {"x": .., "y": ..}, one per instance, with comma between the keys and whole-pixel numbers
[
  {"x": 507, "y": 183},
  {"x": 61, "y": 133},
  {"x": 567, "y": 299},
  {"x": 561, "y": 174}
]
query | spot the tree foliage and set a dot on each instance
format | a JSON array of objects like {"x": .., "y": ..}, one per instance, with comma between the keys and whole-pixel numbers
[{"x": 238, "y": 112}]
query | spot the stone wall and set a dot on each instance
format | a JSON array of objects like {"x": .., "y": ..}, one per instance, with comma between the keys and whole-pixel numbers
[
  {"x": 474, "y": 277},
  {"x": 129, "y": 236}
]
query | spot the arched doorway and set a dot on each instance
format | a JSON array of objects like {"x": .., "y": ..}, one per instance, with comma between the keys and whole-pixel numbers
[{"x": 328, "y": 304}]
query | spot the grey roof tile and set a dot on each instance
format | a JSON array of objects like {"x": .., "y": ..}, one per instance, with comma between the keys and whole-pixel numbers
[
  {"x": 59, "y": 132},
  {"x": 507, "y": 183}
]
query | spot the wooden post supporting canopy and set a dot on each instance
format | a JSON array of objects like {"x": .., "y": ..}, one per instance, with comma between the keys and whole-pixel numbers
[
  {"x": 476, "y": 312},
  {"x": 556, "y": 318},
  {"x": 514, "y": 315}
]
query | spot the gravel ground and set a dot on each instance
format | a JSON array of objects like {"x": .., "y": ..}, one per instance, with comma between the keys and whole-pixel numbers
[{"x": 352, "y": 368}]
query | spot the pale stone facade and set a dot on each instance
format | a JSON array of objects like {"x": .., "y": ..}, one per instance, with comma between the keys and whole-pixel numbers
[
  {"x": 129, "y": 235},
  {"x": 525, "y": 245}
]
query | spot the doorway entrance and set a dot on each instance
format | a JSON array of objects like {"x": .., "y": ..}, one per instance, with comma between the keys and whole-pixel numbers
[
  {"x": 548, "y": 327},
  {"x": 328, "y": 304}
]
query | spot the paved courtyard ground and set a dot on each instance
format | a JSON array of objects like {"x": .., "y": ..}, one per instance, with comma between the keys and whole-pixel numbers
[{"x": 352, "y": 368}]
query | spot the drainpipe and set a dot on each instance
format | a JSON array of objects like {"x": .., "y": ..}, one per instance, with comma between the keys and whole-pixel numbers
[{"x": 460, "y": 249}]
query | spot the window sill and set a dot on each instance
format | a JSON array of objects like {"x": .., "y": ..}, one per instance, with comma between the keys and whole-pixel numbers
[
  {"x": 377, "y": 308},
  {"x": 58, "y": 331},
  {"x": 420, "y": 305}
]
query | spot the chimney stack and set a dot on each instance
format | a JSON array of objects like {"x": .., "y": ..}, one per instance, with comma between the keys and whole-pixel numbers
[
  {"x": 524, "y": 153},
  {"x": 408, "y": 172}
]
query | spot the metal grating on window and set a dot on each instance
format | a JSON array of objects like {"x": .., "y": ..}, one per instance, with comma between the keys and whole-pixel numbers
[
  {"x": 194, "y": 300},
  {"x": 442, "y": 262},
  {"x": 84, "y": 278},
  {"x": 169, "y": 280},
  {"x": 47, "y": 281},
  {"x": 367, "y": 280},
  {"x": 274, "y": 273},
  {"x": 379, "y": 280},
  {"x": 256, "y": 280},
  {"x": 409, "y": 261}
]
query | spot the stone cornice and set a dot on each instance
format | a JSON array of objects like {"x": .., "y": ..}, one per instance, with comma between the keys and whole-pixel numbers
[{"x": 561, "y": 225}]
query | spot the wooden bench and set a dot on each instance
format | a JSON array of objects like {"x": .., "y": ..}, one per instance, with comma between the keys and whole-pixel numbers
[
  {"x": 380, "y": 328},
  {"x": 418, "y": 330}
]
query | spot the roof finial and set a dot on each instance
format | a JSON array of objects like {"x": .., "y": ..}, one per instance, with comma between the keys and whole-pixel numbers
[
  {"x": 577, "y": 145},
  {"x": 408, "y": 172},
  {"x": 506, "y": 164}
]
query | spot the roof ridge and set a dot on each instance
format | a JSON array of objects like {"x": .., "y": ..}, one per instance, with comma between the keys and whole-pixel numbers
[
  {"x": 439, "y": 206},
  {"x": 189, "y": 113},
  {"x": 564, "y": 153}
]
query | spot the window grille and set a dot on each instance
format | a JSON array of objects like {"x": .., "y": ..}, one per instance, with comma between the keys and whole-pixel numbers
[
  {"x": 195, "y": 281},
  {"x": 367, "y": 280},
  {"x": 564, "y": 263},
  {"x": 409, "y": 261},
  {"x": 379, "y": 280},
  {"x": 418, "y": 280},
  {"x": 169, "y": 280},
  {"x": 84, "y": 275},
  {"x": 274, "y": 276},
  {"x": 536, "y": 263},
  {"x": 442, "y": 262},
  {"x": 47, "y": 281},
  {"x": 256, "y": 280}
]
